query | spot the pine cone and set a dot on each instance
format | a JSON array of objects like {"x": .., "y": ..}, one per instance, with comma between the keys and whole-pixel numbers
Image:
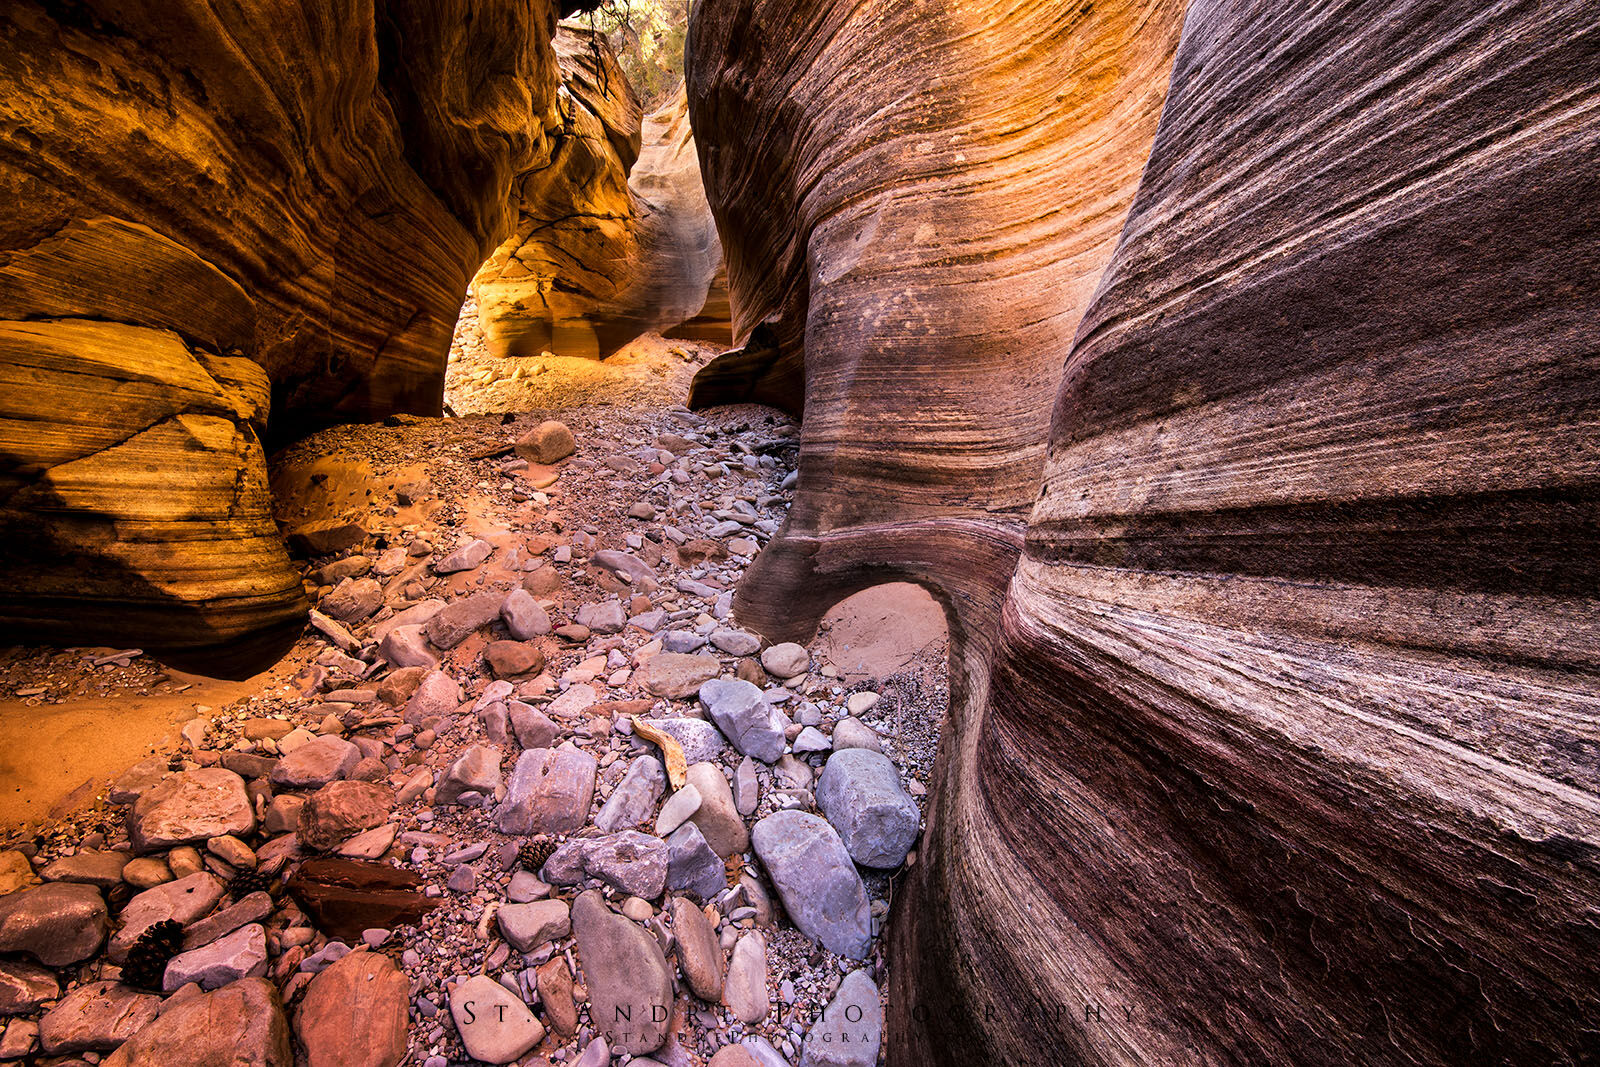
[
  {"x": 534, "y": 852},
  {"x": 244, "y": 883},
  {"x": 147, "y": 959}
]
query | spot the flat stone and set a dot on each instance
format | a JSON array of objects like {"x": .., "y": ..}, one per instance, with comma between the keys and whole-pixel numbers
[
  {"x": 345, "y": 897},
  {"x": 315, "y": 764},
  {"x": 630, "y": 984},
  {"x": 468, "y": 557},
  {"x": 746, "y": 788},
  {"x": 437, "y": 694},
  {"x": 627, "y": 860},
  {"x": 495, "y": 1025},
  {"x": 96, "y": 1016},
  {"x": 860, "y": 794},
  {"x": 744, "y": 991},
  {"x": 460, "y": 619},
  {"x": 103, "y": 869},
  {"x": 702, "y": 742},
  {"x": 513, "y": 659},
  {"x": 182, "y": 901},
  {"x": 147, "y": 772},
  {"x": 743, "y": 715},
  {"x": 692, "y": 865},
  {"x": 532, "y": 727},
  {"x": 549, "y": 792},
  {"x": 353, "y": 600},
  {"x": 573, "y": 702},
  {"x": 477, "y": 769},
  {"x": 699, "y": 953},
  {"x": 736, "y": 642},
  {"x": 682, "y": 641},
  {"x": 682, "y": 804},
  {"x": 58, "y": 923},
  {"x": 523, "y": 616},
  {"x": 853, "y": 733},
  {"x": 353, "y": 1014},
  {"x": 407, "y": 646},
  {"x": 24, "y": 986},
  {"x": 369, "y": 844},
  {"x": 242, "y": 954},
  {"x": 637, "y": 570},
  {"x": 527, "y": 926},
  {"x": 251, "y": 908},
  {"x": 554, "y": 982},
  {"x": 851, "y": 1027},
  {"x": 340, "y": 810},
  {"x": 670, "y": 674},
  {"x": 240, "y": 1025},
  {"x": 816, "y": 879},
  {"x": 190, "y": 807},
  {"x": 719, "y": 821},
  {"x": 634, "y": 798},
  {"x": 526, "y": 886},
  {"x": 604, "y": 618},
  {"x": 547, "y": 443}
]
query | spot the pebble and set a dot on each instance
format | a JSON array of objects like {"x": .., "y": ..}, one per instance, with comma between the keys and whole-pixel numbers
[
  {"x": 853, "y": 733},
  {"x": 682, "y": 804},
  {"x": 787, "y": 660},
  {"x": 526, "y": 926}
]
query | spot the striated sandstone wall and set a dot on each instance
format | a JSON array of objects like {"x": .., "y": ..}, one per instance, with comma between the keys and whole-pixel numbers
[
  {"x": 210, "y": 214},
  {"x": 614, "y": 238},
  {"x": 1273, "y": 724}
]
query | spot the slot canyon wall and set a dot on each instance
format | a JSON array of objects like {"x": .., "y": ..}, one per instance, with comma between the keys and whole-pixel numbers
[
  {"x": 1254, "y": 455},
  {"x": 214, "y": 215},
  {"x": 614, "y": 238}
]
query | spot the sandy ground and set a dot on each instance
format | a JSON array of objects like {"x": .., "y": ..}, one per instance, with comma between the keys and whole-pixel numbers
[{"x": 58, "y": 749}]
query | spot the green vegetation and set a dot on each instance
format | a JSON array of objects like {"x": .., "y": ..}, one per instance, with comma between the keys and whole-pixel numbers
[{"x": 647, "y": 36}]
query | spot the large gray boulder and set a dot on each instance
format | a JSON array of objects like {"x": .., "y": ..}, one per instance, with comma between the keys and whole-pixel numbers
[
  {"x": 861, "y": 795},
  {"x": 816, "y": 880}
]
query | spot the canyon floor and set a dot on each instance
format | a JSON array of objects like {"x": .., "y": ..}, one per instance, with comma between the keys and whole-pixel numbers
[{"x": 470, "y": 711}]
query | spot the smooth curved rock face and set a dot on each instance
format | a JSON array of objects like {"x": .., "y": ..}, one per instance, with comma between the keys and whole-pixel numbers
[
  {"x": 1276, "y": 744},
  {"x": 615, "y": 237},
  {"x": 207, "y": 211}
]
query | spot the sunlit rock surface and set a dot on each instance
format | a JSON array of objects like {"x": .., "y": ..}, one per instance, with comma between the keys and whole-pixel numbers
[
  {"x": 614, "y": 238},
  {"x": 211, "y": 215},
  {"x": 1276, "y": 743}
]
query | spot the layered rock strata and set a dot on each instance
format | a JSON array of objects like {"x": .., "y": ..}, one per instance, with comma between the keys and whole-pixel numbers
[
  {"x": 212, "y": 214},
  {"x": 615, "y": 238},
  {"x": 1294, "y": 652}
]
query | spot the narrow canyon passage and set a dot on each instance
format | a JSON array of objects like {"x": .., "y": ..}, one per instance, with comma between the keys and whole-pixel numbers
[{"x": 799, "y": 533}]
